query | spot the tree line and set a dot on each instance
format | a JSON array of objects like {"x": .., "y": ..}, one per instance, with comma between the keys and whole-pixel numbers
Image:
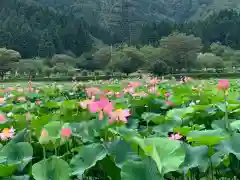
[{"x": 176, "y": 53}]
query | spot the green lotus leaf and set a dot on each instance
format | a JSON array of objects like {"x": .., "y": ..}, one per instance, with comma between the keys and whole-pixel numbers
[
  {"x": 140, "y": 170},
  {"x": 206, "y": 137},
  {"x": 168, "y": 154},
  {"x": 87, "y": 157},
  {"x": 53, "y": 168}
]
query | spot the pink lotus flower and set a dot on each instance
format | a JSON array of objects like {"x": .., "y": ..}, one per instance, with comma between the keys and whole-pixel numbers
[
  {"x": 109, "y": 93},
  {"x": 152, "y": 89},
  {"x": 92, "y": 91},
  {"x": 134, "y": 84},
  {"x": 84, "y": 104},
  {"x": 157, "y": 93},
  {"x": 176, "y": 136},
  {"x": 2, "y": 118},
  {"x": 2, "y": 100},
  {"x": 9, "y": 89},
  {"x": 30, "y": 89},
  {"x": 154, "y": 81},
  {"x": 119, "y": 115},
  {"x": 66, "y": 132},
  {"x": 44, "y": 133},
  {"x": 38, "y": 102},
  {"x": 167, "y": 94},
  {"x": 101, "y": 106},
  {"x": 118, "y": 94},
  {"x": 223, "y": 85},
  {"x": 22, "y": 99},
  {"x": 106, "y": 91},
  {"x": 7, "y": 134},
  {"x": 169, "y": 103},
  {"x": 128, "y": 90}
]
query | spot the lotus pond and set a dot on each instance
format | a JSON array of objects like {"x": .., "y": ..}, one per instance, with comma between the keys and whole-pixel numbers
[{"x": 148, "y": 130}]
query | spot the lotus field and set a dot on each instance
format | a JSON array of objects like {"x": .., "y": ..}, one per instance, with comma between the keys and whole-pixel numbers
[{"x": 130, "y": 130}]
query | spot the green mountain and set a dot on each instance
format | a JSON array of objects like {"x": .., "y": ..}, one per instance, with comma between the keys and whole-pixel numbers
[
  {"x": 34, "y": 30},
  {"x": 126, "y": 17},
  {"x": 46, "y": 27},
  {"x": 108, "y": 13}
]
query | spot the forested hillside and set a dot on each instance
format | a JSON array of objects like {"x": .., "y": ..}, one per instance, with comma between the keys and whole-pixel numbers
[
  {"x": 47, "y": 27},
  {"x": 35, "y": 30},
  {"x": 142, "y": 10}
]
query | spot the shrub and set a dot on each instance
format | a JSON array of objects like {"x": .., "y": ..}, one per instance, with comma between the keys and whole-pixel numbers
[
  {"x": 65, "y": 78},
  {"x": 205, "y": 75}
]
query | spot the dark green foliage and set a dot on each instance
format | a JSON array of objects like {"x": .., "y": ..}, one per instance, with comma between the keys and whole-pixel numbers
[
  {"x": 206, "y": 75},
  {"x": 65, "y": 78},
  {"x": 220, "y": 27},
  {"x": 34, "y": 30}
]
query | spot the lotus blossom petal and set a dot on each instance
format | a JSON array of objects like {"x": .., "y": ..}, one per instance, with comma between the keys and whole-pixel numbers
[
  {"x": 128, "y": 90},
  {"x": 100, "y": 115},
  {"x": 93, "y": 107},
  {"x": 118, "y": 94},
  {"x": 154, "y": 81},
  {"x": 84, "y": 104},
  {"x": 2, "y": 100},
  {"x": 22, "y": 99},
  {"x": 66, "y": 132},
  {"x": 101, "y": 106},
  {"x": 108, "y": 108},
  {"x": 223, "y": 85},
  {"x": 109, "y": 93},
  {"x": 167, "y": 94},
  {"x": 171, "y": 137},
  {"x": 119, "y": 115},
  {"x": 152, "y": 89},
  {"x": 134, "y": 84},
  {"x": 2, "y": 118},
  {"x": 103, "y": 102},
  {"x": 169, "y": 103},
  {"x": 38, "y": 102},
  {"x": 2, "y": 137},
  {"x": 92, "y": 91},
  {"x": 9, "y": 89},
  {"x": 176, "y": 136},
  {"x": 7, "y": 133},
  {"x": 30, "y": 89},
  {"x": 44, "y": 133}
]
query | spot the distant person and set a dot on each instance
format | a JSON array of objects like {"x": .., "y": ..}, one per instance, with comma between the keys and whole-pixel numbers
[{"x": 183, "y": 79}]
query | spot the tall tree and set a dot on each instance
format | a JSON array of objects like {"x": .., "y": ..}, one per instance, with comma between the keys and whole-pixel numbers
[
  {"x": 156, "y": 60},
  {"x": 182, "y": 48},
  {"x": 127, "y": 60},
  {"x": 7, "y": 58}
]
